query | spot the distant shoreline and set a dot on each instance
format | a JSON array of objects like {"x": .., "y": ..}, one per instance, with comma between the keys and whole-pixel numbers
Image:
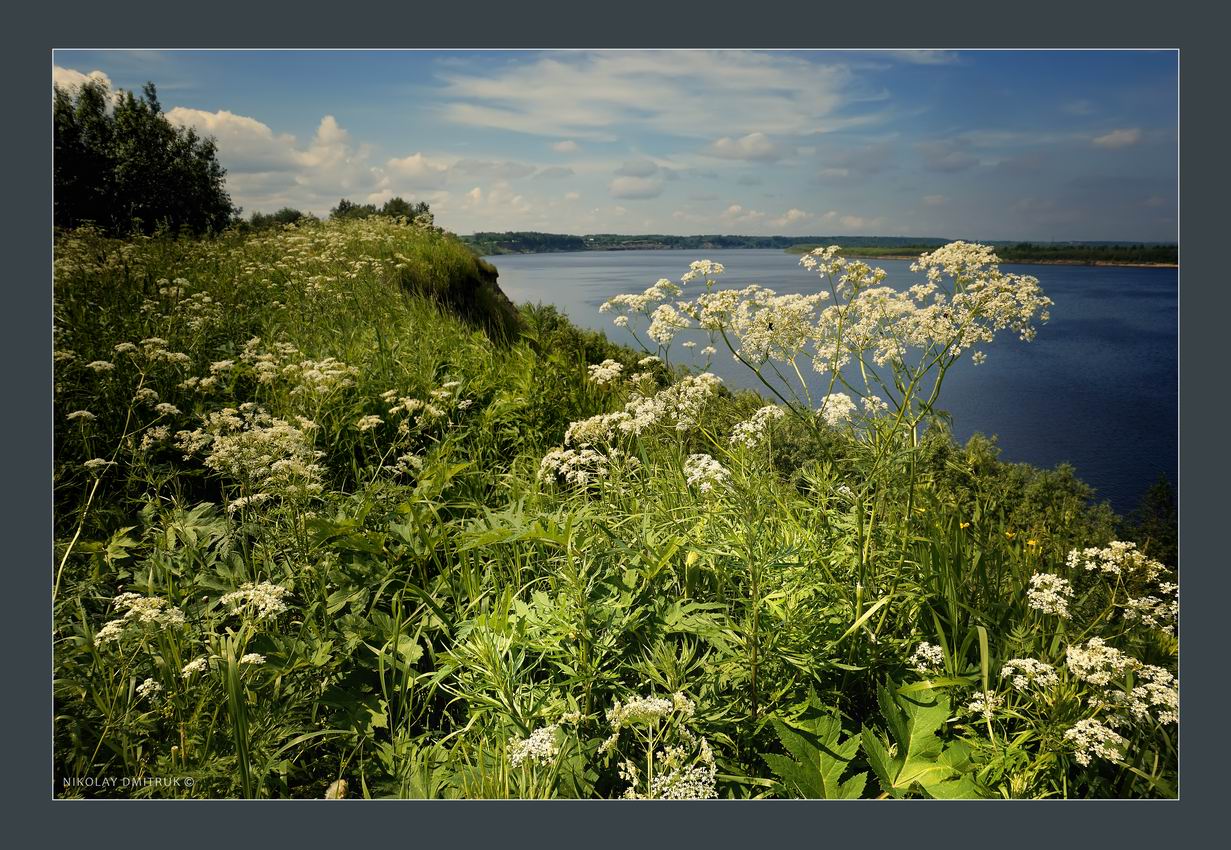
[
  {"x": 1038, "y": 262},
  {"x": 1006, "y": 262}
]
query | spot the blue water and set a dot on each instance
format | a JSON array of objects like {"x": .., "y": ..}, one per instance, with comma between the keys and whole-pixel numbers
[{"x": 1098, "y": 388}]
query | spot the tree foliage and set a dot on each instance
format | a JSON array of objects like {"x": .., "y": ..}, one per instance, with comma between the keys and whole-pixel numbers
[
  {"x": 120, "y": 164},
  {"x": 397, "y": 207}
]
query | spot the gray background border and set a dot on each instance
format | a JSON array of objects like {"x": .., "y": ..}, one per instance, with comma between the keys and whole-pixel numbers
[{"x": 34, "y": 31}]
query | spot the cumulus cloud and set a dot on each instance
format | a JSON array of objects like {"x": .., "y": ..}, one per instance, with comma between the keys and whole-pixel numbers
[
  {"x": 267, "y": 170},
  {"x": 1118, "y": 138},
  {"x": 566, "y": 146},
  {"x": 754, "y": 147},
  {"x": 791, "y": 216},
  {"x": 245, "y": 144},
  {"x": 418, "y": 171},
  {"x": 635, "y": 187},
  {"x": 67, "y": 78},
  {"x": 737, "y": 214}
]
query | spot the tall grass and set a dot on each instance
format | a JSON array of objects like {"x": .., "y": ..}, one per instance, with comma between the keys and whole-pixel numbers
[{"x": 305, "y": 533}]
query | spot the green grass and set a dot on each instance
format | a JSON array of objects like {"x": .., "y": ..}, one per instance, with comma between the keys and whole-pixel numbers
[{"x": 444, "y": 603}]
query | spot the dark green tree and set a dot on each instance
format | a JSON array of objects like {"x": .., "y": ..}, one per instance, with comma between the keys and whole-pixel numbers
[{"x": 121, "y": 165}]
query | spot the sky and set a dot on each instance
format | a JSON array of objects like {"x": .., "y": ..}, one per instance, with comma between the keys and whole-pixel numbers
[{"x": 993, "y": 145}]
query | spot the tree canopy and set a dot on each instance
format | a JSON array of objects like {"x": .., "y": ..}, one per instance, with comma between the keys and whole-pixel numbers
[{"x": 121, "y": 165}]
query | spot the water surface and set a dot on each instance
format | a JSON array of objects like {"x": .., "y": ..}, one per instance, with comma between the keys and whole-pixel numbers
[{"x": 1098, "y": 388}]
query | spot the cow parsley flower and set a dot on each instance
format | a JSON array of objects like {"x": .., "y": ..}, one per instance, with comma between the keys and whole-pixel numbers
[
  {"x": 837, "y": 409},
  {"x": 705, "y": 472},
  {"x": 927, "y": 658},
  {"x": 753, "y": 431},
  {"x": 1050, "y": 594},
  {"x": 1097, "y": 663},
  {"x": 540, "y": 747},
  {"x": 1090, "y": 739},
  {"x": 985, "y": 703},
  {"x": 1118, "y": 558},
  {"x": 1025, "y": 673},
  {"x": 197, "y": 665},
  {"x": 606, "y": 372},
  {"x": 149, "y": 689},
  {"x": 257, "y": 601}
]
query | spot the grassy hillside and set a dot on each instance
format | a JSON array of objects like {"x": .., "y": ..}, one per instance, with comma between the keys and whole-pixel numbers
[{"x": 334, "y": 518}]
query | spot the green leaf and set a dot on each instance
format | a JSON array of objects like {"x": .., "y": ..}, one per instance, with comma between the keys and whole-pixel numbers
[
  {"x": 914, "y": 757},
  {"x": 818, "y": 755}
]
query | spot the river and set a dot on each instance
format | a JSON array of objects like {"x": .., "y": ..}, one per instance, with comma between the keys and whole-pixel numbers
[{"x": 1098, "y": 388}]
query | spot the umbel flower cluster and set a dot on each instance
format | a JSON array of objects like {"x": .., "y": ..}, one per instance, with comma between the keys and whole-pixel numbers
[
  {"x": 898, "y": 337},
  {"x": 267, "y": 456}
]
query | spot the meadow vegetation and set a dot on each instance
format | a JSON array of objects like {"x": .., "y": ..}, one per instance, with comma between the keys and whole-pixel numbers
[{"x": 334, "y": 518}]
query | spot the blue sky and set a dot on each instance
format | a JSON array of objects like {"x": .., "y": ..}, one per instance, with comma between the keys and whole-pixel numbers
[{"x": 1043, "y": 145}]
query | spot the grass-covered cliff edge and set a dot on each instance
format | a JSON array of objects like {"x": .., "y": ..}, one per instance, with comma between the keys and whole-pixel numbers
[{"x": 326, "y": 522}]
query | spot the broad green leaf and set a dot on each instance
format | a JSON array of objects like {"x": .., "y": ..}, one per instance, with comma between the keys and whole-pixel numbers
[
  {"x": 914, "y": 758},
  {"x": 818, "y": 755}
]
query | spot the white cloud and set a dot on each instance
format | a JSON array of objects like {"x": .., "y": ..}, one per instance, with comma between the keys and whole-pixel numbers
[
  {"x": 635, "y": 187},
  {"x": 737, "y": 214},
  {"x": 791, "y": 216},
  {"x": 682, "y": 93},
  {"x": 244, "y": 144},
  {"x": 68, "y": 78},
  {"x": 755, "y": 147},
  {"x": 418, "y": 171},
  {"x": 566, "y": 146},
  {"x": 1118, "y": 138}
]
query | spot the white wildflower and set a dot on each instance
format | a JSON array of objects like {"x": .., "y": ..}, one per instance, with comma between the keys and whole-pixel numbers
[
  {"x": 1097, "y": 663},
  {"x": 606, "y": 372},
  {"x": 927, "y": 658},
  {"x": 837, "y": 409},
  {"x": 197, "y": 665},
  {"x": 704, "y": 472},
  {"x": 149, "y": 689},
  {"x": 1090, "y": 738},
  {"x": 1024, "y": 673},
  {"x": 258, "y": 601},
  {"x": 1118, "y": 558},
  {"x": 753, "y": 431},
  {"x": 1050, "y": 594},
  {"x": 985, "y": 703},
  {"x": 540, "y": 747}
]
